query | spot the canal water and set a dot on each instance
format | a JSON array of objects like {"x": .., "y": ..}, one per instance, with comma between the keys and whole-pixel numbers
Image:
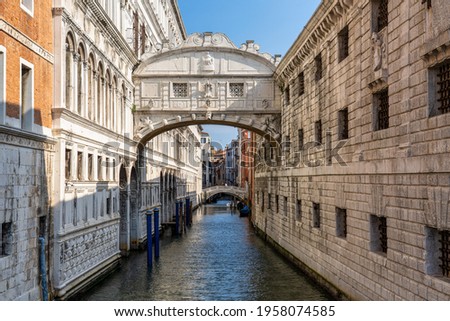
[{"x": 219, "y": 259}]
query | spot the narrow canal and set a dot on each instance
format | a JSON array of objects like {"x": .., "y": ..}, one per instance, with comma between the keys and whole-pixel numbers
[{"x": 218, "y": 259}]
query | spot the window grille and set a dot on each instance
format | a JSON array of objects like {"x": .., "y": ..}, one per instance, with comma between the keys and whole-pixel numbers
[
  {"x": 262, "y": 202},
  {"x": 316, "y": 215},
  {"x": 318, "y": 132},
  {"x": 382, "y": 109},
  {"x": 5, "y": 239},
  {"x": 319, "y": 67},
  {"x": 343, "y": 124},
  {"x": 445, "y": 252},
  {"x": 382, "y": 228},
  {"x": 341, "y": 222},
  {"x": 237, "y": 90},
  {"x": 300, "y": 139},
  {"x": 444, "y": 87},
  {"x": 298, "y": 215},
  {"x": 180, "y": 90},
  {"x": 343, "y": 43},
  {"x": 382, "y": 17},
  {"x": 301, "y": 84}
]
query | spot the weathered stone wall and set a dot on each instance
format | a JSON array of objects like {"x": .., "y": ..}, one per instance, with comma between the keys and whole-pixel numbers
[
  {"x": 25, "y": 171},
  {"x": 400, "y": 173}
]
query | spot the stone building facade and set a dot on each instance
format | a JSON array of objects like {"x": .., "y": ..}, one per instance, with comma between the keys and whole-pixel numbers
[
  {"x": 104, "y": 180},
  {"x": 26, "y": 146},
  {"x": 360, "y": 198}
]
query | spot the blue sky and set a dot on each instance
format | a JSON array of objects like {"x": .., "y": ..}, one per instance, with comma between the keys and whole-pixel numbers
[{"x": 273, "y": 24}]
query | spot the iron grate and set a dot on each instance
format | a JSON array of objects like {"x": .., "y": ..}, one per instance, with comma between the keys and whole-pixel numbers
[
  {"x": 301, "y": 84},
  {"x": 383, "y": 109},
  {"x": 382, "y": 228},
  {"x": 343, "y": 44},
  {"x": 180, "y": 90},
  {"x": 237, "y": 90},
  {"x": 445, "y": 253},
  {"x": 444, "y": 87},
  {"x": 382, "y": 18}
]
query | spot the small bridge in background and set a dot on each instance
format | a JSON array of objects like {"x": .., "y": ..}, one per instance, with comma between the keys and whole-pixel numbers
[{"x": 240, "y": 193}]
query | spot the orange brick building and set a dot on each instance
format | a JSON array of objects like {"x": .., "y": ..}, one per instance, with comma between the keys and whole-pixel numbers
[{"x": 26, "y": 146}]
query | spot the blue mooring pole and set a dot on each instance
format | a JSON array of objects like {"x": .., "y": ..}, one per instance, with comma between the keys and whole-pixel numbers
[
  {"x": 43, "y": 268},
  {"x": 156, "y": 217},
  {"x": 177, "y": 218},
  {"x": 188, "y": 211},
  {"x": 149, "y": 240}
]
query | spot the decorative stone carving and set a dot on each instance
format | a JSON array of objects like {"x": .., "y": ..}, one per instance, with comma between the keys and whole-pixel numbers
[
  {"x": 207, "y": 63},
  {"x": 81, "y": 253},
  {"x": 273, "y": 125},
  {"x": 145, "y": 122},
  {"x": 208, "y": 90},
  {"x": 379, "y": 51}
]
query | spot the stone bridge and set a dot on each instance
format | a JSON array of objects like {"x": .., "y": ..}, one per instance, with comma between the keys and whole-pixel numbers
[
  {"x": 240, "y": 193},
  {"x": 207, "y": 80}
]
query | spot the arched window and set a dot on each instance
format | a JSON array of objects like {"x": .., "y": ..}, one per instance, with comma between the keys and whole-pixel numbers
[
  {"x": 70, "y": 50},
  {"x": 81, "y": 83},
  {"x": 114, "y": 104},
  {"x": 107, "y": 120},
  {"x": 100, "y": 90},
  {"x": 91, "y": 88}
]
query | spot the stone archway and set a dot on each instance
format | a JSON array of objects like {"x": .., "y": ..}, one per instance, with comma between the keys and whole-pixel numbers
[{"x": 207, "y": 80}]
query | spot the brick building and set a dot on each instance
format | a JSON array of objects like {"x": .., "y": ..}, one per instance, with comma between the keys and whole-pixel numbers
[{"x": 26, "y": 146}]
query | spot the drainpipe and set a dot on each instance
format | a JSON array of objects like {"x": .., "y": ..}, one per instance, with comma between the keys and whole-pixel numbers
[{"x": 43, "y": 269}]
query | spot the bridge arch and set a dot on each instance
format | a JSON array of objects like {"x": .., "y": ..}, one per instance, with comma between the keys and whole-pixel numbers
[
  {"x": 207, "y": 80},
  {"x": 240, "y": 193}
]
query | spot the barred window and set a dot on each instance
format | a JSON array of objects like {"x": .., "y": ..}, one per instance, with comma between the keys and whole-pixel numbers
[
  {"x": 180, "y": 90},
  {"x": 443, "y": 85},
  {"x": 316, "y": 215},
  {"x": 319, "y": 67},
  {"x": 381, "y": 110},
  {"x": 301, "y": 139},
  {"x": 343, "y": 44},
  {"x": 382, "y": 15},
  {"x": 6, "y": 239},
  {"x": 343, "y": 124},
  {"x": 236, "y": 90},
  {"x": 318, "y": 132},
  {"x": 437, "y": 246},
  {"x": 378, "y": 234},
  {"x": 444, "y": 252},
  {"x": 298, "y": 210},
  {"x": 341, "y": 222},
  {"x": 301, "y": 83}
]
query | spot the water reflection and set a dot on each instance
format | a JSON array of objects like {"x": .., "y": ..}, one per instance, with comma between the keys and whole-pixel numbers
[{"x": 219, "y": 259}]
